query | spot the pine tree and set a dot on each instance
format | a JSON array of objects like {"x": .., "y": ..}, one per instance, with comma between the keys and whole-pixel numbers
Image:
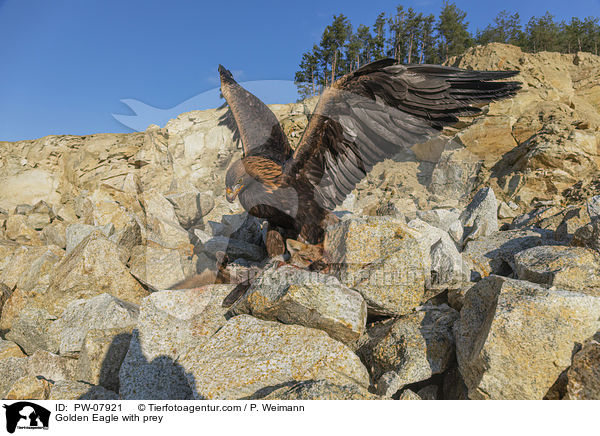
[
  {"x": 333, "y": 40},
  {"x": 378, "y": 42},
  {"x": 542, "y": 34},
  {"x": 308, "y": 79},
  {"x": 506, "y": 29},
  {"x": 454, "y": 38},
  {"x": 428, "y": 52}
]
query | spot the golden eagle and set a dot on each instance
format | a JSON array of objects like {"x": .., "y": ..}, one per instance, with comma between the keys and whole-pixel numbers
[{"x": 366, "y": 116}]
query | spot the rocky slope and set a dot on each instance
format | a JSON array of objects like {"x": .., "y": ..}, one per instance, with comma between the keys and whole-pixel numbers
[{"x": 466, "y": 267}]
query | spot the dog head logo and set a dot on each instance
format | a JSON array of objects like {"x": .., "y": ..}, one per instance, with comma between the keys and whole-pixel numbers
[{"x": 26, "y": 415}]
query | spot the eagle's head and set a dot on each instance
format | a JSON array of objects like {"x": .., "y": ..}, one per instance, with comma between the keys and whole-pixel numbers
[{"x": 236, "y": 180}]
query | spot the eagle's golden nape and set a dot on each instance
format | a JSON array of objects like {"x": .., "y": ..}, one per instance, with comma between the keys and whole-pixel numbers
[{"x": 365, "y": 117}]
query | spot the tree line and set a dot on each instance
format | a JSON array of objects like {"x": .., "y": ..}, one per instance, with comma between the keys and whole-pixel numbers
[{"x": 410, "y": 36}]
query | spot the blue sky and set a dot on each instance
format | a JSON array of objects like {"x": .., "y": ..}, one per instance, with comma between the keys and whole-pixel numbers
[{"x": 65, "y": 65}]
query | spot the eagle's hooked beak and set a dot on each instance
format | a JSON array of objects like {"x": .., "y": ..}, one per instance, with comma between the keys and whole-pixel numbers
[{"x": 231, "y": 194}]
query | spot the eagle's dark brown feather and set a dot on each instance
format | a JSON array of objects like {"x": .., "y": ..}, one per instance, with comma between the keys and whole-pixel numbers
[
  {"x": 379, "y": 109},
  {"x": 258, "y": 128},
  {"x": 366, "y": 116}
]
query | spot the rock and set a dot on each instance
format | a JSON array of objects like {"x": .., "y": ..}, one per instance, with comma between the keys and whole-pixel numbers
[
  {"x": 444, "y": 219},
  {"x": 101, "y": 312},
  {"x": 321, "y": 390},
  {"x": 455, "y": 174},
  {"x": 75, "y": 233},
  {"x": 101, "y": 357},
  {"x": 51, "y": 366},
  {"x": 428, "y": 392},
  {"x": 234, "y": 248},
  {"x": 293, "y": 296},
  {"x": 36, "y": 278},
  {"x": 5, "y": 293},
  {"x": 382, "y": 259},
  {"x": 441, "y": 255},
  {"x": 407, "y": 394},
  {"x": 92, "y": 268},
  {"x": 190, "y": 206},
  {"x": 453, "y": 386},
  {"x": 415, "y": 347},
  {"x": 31, "y": 330},
  {"x": 11, "y": 370},
  {"x": 9, "y": 349},
  {"x": 495, "y": 253},
  {"x": 480, "y": 217},
  {"x": 19, "y": 230},
  {"x": 66, "y": 213},
  {"x": 249, "y": 358},
  {"x": 588, "y": 236},
  {"x": 508, "y": 210},
  {"x": 38, "y": 221},
  {"x": 571, "y": 268},
  {"x": 20, "y": 259},
  {"x": 584, "y": 374},
  {"x": 163, "y": 225},
  {"x": 75, "y": 390},
  {"x": 28, "y": 187},
  {"x": 55, "y": 233},
  {"x": 593, "y": 208},
  {"x": 29, "y": 387},
  {"x": 169, "y": 325},
  {"x": 160, "y": 268},
  {"x": 127, "y": 239},
  {"x": 514, "y": 338},
  {"x": 23, "y": 209},
  {"x": 446, "y": 265}
]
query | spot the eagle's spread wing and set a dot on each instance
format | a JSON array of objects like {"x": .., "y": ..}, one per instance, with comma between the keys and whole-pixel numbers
[
  {"x": 253, "y": 121},
  {"x": 372, "y": 113}
]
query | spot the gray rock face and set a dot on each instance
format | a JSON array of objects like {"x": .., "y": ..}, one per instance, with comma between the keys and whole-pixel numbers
[
  {"x": 584, "y": 374},
  {"x": 514, "y": 338},
  {"x": 101, "y": 312},
  {"x": 322, "y": 390},
  {"x": 55, "y": 234},
  {"x": 5, "y": 292},
  {"x": 593, "y": 208},
  {"x": 444, "y": 219},
  {"x": 101, "y": 357},
  {"x": 50, "y": 366},
  {"x": 11, "y": 369},
  {"x": 163, "y": 225},
  {"x": 75, "y": 233},
  {"x": 446, "y": 265},
  {"x": 169, "y": 325},
  {"x": 495, "y": 254},
  {"x": 190, "y": 206},
  {"x": 455, "y": 174},
  {"x": 480, "y": 218},
  {"x": 32, "y": 330},
  {"x": 19, "y": 230},
  {"x": 249, "y": 358},
  {"x": 28, "y": 388},
  {"x": 160, "y": 268},
  {"x": 92, "y": 268},
  {"x": 294, "y": 296},
  {"x": 381, "y": 258},
  {"x": 76, "y": 390},
  {"x": 408, "y": 395},
  {"x": 415, "y": 347},
  {"x": 571, "y": 268},
  {"x": 9, "y": 349}
]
